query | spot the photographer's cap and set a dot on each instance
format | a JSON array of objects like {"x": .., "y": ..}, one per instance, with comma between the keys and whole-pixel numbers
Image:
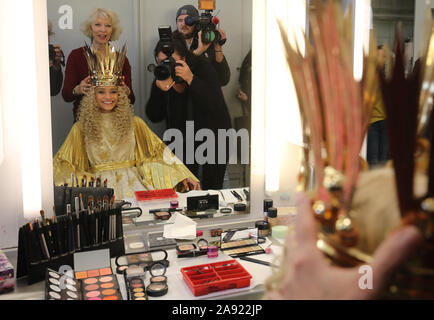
[{"x": 188, "y": 9}]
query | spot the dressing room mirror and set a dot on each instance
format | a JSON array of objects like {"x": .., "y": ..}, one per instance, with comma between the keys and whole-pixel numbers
[{"x": 139, "y": 20}]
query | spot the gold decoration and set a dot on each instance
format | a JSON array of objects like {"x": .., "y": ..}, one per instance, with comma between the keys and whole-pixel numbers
[{"x": 105, "y": 65}]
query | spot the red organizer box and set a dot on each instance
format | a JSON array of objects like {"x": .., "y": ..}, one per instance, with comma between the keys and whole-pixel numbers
[
  {"x": 155, "y": 194},
  {"x": 207, "y": 278}
]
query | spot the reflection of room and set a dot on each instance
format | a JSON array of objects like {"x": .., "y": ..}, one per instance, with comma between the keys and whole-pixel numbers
[
  {"x": 139, "y": 21},
  {"x": 162, "y": 244}
]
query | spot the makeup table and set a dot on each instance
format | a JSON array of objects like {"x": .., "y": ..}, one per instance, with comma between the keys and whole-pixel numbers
[
  {"x": 226, "y": 199},
  {"x": 178, "y": 289}
]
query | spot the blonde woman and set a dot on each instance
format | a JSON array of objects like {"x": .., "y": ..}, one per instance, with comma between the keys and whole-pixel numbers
[
  {"x": 101, "y": 27},
  {"x": 109, "y": 142}
]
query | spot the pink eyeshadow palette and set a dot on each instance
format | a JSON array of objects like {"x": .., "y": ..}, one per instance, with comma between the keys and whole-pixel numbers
[{"x": 101, "y": 288}]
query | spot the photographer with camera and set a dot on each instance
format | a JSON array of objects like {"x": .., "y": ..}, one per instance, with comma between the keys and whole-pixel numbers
[
  {"x": 57, "y": 60},
  {"x": 187, "y": 88},
  {"x": 203, "y": 38}
]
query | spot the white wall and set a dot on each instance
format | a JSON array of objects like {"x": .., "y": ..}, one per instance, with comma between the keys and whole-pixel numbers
[
  {"x": 23, "y": 90},
  {"x": 419, "y": 18},
  {"x": 139, "y": 20}
]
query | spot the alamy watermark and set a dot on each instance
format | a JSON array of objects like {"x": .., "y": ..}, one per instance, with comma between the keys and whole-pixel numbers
[
  {"x": 366, "y": 280},
  {"x": 224, "y": 145}
]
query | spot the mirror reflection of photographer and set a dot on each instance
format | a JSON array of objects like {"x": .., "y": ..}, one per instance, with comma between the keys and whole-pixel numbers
[
  {"x": 57, "y": 60},
  {"x": 198, "y": 97},
  {"x": 203, "y": 38}
]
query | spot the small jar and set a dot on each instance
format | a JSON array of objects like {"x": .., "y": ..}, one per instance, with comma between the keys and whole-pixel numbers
[
  {"x": 263, "y": 228},
  {"x": 213, "y": 252},
  {"x": 174, "y": 204},
  {"x": 268, "y": 203},
  {"x": 272, "y": 217}
]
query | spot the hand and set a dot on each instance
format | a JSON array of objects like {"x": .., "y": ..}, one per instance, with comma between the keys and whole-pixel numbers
[
  {"x": 84, "y": 86},
  {"x": 242, "y": 96},
  {"x": 201, "y": 48},
  {"x": 308, "y": 275},
  {"x": 184, "y": 71},
  {"x": 190, "y": 184},
  {"x": 165, "y": 85},
  {"x": 217, "y": 46}
]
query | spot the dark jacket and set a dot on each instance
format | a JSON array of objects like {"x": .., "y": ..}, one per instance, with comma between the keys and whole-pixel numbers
[
  {"x": 222, "y": 68},
  {"x": 202, "y": 101}
]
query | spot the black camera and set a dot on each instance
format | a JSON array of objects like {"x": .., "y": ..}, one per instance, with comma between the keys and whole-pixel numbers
[
  {"x": 166, "y": 68},
  {"x": 207, "y": 24}
]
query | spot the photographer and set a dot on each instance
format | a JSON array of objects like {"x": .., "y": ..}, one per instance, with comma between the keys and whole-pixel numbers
[
  {"x": 56, "y": 61},
  {"x": 197, "y": 98},
  {"x": 192, "y": 37}
]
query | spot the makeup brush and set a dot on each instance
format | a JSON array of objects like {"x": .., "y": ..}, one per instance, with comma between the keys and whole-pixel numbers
[
  {"x": 98, "y": 182},
  {"x": 42, "y": 213},
  {"x": 37, "y": 250},
  {"x": 91, "y": 217},
  {"x": 92, "y": 182},
  {"x": 77, "y": 214},
  {"x": 42, "y": 239},
  {"x": 84, "y": 181},
  {"x": 105, "y": 183},
  {"x": 65, "y": 184},
  {"x": 70, "y": 229},
  {"x": 72, "y": 180}
]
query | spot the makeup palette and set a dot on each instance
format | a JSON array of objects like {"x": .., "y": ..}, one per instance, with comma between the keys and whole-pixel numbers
[
  {"x": 162, "y": 215},
  {"x": 190, "y": 250},
  {"x": 60, "y": 286},
  {"x": 101, "y": 288},
  {"x": 212, "y": 277},
  {"x": 241, "y": 242},
  {"x": 92, "y": 273},
  {"x": 137, "y": 289},
  {"x": 158, "y": 286}
]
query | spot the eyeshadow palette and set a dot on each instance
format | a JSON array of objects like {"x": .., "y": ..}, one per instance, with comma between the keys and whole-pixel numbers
[
  {"x": 59, "y": 286},
  {"x": 241, "y": 242},
  {"x": 101, "y": 288},
  {"x": 156, "y": 240},
  {"x": 79, "y": 275},
  {"x": 142, "y": 259},
  {"x": 136, "y": 289},
  {"x": 191, "y": 250},
  {"x": 208, "y": 278}
]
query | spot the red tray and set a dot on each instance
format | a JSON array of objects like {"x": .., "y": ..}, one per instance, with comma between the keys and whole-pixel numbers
[
  {"x": 155, "y": 194},
  {"x": 207, "y": 278}
]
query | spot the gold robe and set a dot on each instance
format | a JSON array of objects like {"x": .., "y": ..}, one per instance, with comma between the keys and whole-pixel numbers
[{"x": 141, "y": 161}]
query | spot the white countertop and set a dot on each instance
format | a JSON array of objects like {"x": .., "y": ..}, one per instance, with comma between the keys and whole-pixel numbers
[{"x": 178, "y": 289}]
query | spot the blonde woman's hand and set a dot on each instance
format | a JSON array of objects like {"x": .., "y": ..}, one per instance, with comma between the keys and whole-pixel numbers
[
  {"x": 308, "y": 275},
  {"x": 83, "y": 87},
  {"x": 190, "y": 184}
]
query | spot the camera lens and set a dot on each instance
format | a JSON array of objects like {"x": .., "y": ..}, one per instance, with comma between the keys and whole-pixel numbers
[
  {"x": 162, "y": 72},
  {"x": 208, "y": 36}
]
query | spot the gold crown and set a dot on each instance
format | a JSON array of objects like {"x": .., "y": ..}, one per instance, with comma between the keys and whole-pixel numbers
[
  {"x": 105, "y": 66},
  {"x": 335, "y": 110}
]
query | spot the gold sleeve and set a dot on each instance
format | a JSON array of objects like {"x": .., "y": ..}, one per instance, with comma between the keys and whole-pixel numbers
[
  {"x": 71, "y": 158},
  {"x": 155, "y": 162}
]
